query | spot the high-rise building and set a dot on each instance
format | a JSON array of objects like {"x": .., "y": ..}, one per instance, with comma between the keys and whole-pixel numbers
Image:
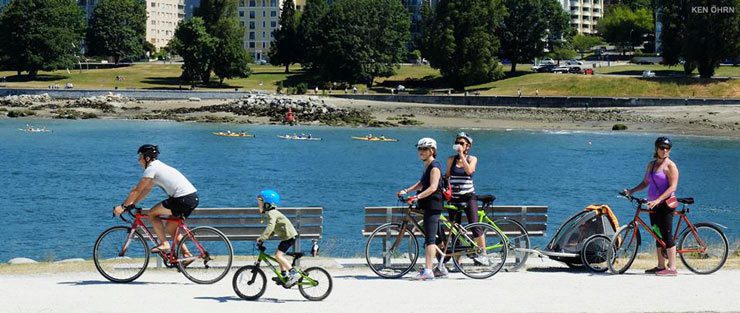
[
  {"x": 260, "y": 18},
  {"x": 3, "y": 3},
  {"x": 190, "y": 6},
  {"x": 162, "y": 19},
  {"x": 584, "y": 14}
]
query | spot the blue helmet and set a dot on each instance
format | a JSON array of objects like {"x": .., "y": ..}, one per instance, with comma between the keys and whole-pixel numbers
[{"x": 269, "y": 196}]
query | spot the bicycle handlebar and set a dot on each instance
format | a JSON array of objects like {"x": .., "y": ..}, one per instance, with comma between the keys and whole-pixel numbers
[
  {"x": 128, "y": 210},
  {"x": 633, "y": 198}
]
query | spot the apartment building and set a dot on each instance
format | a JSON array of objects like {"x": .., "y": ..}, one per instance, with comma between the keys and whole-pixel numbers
[
  {"x": 584, "y": 14},
  {"x": 259, "y": 19},
  {"x": 162, "y": 19}
]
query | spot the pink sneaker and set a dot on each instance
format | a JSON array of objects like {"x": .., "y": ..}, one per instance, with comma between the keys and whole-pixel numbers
[{"x": 667, "y": 272}]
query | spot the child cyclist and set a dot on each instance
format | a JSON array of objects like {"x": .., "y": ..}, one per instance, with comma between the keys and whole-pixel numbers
[{"x": 278, "y": 224}]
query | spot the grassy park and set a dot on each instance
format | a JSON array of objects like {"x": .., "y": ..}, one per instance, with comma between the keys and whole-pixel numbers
[{"x": 417, "y": 79}]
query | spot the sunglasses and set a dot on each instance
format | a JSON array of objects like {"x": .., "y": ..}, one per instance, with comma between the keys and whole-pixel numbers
[
  {"x": 422, "y": 148},
  {"x": 664, "y": 148},
  {"x": 461, "y": 143}
]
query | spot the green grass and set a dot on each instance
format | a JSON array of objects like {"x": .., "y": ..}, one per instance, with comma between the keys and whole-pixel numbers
[
  {"x": 418, "y": 79},
  {"x": 663, "y": 70}
]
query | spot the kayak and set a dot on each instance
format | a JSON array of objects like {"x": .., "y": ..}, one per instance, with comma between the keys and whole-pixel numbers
[
  {"x": 223, "y": 134},
  {"x": 375, "y": 139},
  {"x": 298, "y": 138},
  {"x": 35, "y": 130}
]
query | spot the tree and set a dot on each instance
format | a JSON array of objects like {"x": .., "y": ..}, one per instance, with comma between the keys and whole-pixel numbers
[
  {"x": 626, "y": 28},
  {"x": 703, "y": 40},
  {"x": 117, "y": 28},
  {"x": 40, "y": 35},
  {"x": 364, "y": 39},
  {"x": 232, "y": 60},
  {"x": 193, "y": 43},
  {"x": 460, "y": 41},
  {"x": 285, "y": 49},
  {"x": 584, "y": 43},
  {"x": 562, "y": 53},
  {"x": 528, "y": 22},
  {"x": 310, "y": 34}
]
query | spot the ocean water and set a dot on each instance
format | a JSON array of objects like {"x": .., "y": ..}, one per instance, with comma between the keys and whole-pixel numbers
[{"x": 59, "y": 188}]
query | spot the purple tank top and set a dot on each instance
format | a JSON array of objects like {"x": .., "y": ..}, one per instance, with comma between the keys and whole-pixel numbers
[{"x": 657, "y": 184}]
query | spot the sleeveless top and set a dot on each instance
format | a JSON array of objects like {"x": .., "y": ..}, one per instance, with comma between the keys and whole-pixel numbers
[
  {"x": 657, "y": 183},
  {"x": 461, "y": 182},
  {"x": 433, "y": 202}
]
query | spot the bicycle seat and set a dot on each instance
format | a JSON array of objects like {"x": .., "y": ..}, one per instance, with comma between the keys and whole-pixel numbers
[
  {"x": 170, "y": 217},
  {"x": 295, "y": 255},
  {"x": 486, "y": 198},
  {"x": 685, "y": 200}
]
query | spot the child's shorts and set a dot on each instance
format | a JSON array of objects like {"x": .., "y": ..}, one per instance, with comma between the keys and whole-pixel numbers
[{"x": 286, "y": 244}]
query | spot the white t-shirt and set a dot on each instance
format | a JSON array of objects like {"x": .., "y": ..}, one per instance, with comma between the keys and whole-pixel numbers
[{"x": 169, "y": 179}]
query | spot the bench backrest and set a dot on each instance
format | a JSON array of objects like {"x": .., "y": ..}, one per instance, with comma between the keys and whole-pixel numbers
[
  {"x": 245, "y": 223},
  {"x": 534, "y": 218}
]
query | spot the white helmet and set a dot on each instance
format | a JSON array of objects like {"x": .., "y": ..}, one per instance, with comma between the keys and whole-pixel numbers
[{"x": 427, "y": 143}]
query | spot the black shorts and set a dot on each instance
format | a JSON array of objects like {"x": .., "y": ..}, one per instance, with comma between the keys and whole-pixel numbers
[
  {"x": 182, "y": 206},
  {"x": 286, "y": 244}
]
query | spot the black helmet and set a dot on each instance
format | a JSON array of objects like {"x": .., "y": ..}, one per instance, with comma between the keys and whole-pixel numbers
[
  {"x": 150, "y": 151},
  {"x": 663, "y": 141}
]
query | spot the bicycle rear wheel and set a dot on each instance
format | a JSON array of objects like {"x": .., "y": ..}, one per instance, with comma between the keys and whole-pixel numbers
[
  {"x": 704, "y": 252},
  {"x": 118, "y": 259},
  {"x": 388, "y": 255},
  {"x": 211, "y": 255},
  {"x": 317, "y": 286},
  {"x": 249, "y": 282},
  {"x": 595, "y": 253},
  {"x": 623, "y": 248},
  {"x": 517, "y": 243},
  {"x": 476, "y": 261}
]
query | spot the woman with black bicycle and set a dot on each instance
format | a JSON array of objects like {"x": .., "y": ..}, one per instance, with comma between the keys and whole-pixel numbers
[
  {"x": 430, "y": 200},
  {"x": 661, "y": 178}
]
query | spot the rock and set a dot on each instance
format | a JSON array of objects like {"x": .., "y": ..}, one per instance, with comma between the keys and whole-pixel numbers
[
  {"x": 24, "y": 100},
  {"x": 16, "y": 261},
  {"x": 194, "y": 99},
  {"x": 71, "y": 260}
]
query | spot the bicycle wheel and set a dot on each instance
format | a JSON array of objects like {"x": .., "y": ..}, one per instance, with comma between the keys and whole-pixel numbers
[
  {"x": 316, "y": 285},
  {"x": 623, "y": 249},
  {"x": 249, "y": 282},
  {"x": 594, "y": 253},
  {"x": 211, "y": 255},
  {"x": 479, "y": 262},
  {"x": 118, "y": 259},
  {"x": 706, "y": 258},
  {"x": 518, "y": 244},
  {"x": 387, "y": 257}
]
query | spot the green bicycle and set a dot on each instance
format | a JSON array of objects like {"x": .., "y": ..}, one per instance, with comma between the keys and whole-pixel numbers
[
  {"x": 250, "y": 281},
  {"x": 514, "y": 233},
  {"x": 392, "y": 249}
]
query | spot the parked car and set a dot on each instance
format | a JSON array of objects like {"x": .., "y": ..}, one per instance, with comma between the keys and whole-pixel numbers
[
  {"x": 261, "y": 62},
  {"x": 573, "y": 62},
  {"x": 648, "y": 74},
  {"x": 560, "y": 69},
  {"x": 547, "y": 68},
  {"x": 547, "y": 61},
  {"x": 575, "y": 70}
]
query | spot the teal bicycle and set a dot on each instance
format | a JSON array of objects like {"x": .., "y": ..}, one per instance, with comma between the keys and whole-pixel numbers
[
  {"x": 514, "y": 234},
  {"x": 250, "y": 281}
]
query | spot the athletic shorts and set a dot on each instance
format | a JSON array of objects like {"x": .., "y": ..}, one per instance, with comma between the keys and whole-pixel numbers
[
  {"x": 182, "y": 206},
  {"x": 286, "y": 244}
]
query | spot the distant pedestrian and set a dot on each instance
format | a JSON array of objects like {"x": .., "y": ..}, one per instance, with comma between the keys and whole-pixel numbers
[
  {"x": 518, "y": 92},
  {"x": 354, "y": 89},
  {"x": 536, "y": 92},
  {"x": 316, "y": 90}
]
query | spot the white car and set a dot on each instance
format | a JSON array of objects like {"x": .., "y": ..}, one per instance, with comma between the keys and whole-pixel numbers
[
  {"x": 648, "y": 74},
  {"x": 573, "y": 62},
  {"x": 547, "y": 61}
]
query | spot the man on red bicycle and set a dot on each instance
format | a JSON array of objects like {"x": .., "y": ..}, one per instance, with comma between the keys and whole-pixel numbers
[{"x": 182, "y": 198}]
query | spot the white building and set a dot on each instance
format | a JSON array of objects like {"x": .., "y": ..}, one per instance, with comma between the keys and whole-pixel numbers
[
  {"x": 259, "y": 19},
  {"x": 584, "y": 14},
  {"x": 162, "y": 19}
]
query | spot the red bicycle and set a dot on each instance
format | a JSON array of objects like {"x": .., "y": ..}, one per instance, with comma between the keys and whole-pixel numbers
[
  {"x": 121, "y": 253},
  {"x": 702, "y": 247}
]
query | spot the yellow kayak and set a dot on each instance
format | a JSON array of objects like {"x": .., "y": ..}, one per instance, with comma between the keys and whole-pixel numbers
[
  {"x": 230, "y": 134},
  {"x": 383, "y": 139}
]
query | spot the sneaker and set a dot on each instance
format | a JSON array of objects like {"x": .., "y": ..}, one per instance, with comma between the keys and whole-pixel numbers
[
  {"x": 667, "y": 272},
  {"x": 481, "y": 260},
  {"x": 454, "y": 269},
  {"x": 292, "y": 278},
  {"x": 425, "y": 274},
  {"x": 440, "y": 271},
  {"x": 654, "y": 270}
]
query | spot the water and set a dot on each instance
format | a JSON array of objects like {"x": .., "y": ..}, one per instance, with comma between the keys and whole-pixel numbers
[{"x": 60, "y": 187}]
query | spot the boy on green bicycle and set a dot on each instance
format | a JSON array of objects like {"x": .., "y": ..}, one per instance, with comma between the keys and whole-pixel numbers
[{"x": 278, "y": 224}]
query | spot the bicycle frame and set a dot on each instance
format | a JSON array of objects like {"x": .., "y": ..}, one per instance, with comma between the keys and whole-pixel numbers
[
  {"x": 264, "y": 257},
  {"x": 170, "y": 258},
  {"x": 638, "y": 221}
]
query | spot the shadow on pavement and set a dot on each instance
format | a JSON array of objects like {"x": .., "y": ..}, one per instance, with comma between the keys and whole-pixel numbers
[
  {"x": 233, "y": 298},
  {"x": 105, "y": 282}
]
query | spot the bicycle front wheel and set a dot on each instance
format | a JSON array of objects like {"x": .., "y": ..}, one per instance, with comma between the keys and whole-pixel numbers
[
  {"x": 249, "y": 282},
  {"x": 477, "y": 260},
  {"x": 118, "y": 258},
  {"x": 315, "y": 284},
  {"x": 705, "y": 251},
  {"x": 517, "y": 242},
  {"x": 391, "y": 252},
  {"x": 623, "y": 248},
  {"x": 205, "y": 257}
]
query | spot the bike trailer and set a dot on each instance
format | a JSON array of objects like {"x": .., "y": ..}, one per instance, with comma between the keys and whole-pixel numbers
[{"x": 568, "y": 241}]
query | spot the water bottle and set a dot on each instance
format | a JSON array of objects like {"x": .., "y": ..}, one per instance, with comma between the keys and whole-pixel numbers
[
  {"x": 457, "y": 148},
  {"x": 656, "y": 230}
]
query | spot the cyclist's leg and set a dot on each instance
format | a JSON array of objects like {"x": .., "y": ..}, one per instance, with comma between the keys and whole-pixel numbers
[
  {"x": 154, "y": 214},
  {"x": 182, "y": 207},
  {"x": 665, "y": 224},
  {"x": 431, "y": 225},
  {"x": 280, "y": 254},
  {"x": 658, "y": 248}
]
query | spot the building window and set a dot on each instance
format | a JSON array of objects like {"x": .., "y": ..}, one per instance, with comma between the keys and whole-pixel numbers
[
  {"x": 251, "y": 24},
  {"x": 273, "y": 13},
  {"x": 273, "y": 24},
  {"x": 241, "y": 13},
  {"x": 154, "y": 22},
  {"x": 252, "y": 3},
  {"x": 273, "y": 3},
  {"x": 264, "y": 24},
  {"x": 241, "y": 3},
  {"x": 251, "y": 44},
  {"x": 241, "y": 23},
  {"x": 263, "y": 35},
  {"x": 154, "y": 4},
  {"x": 251, "y": 14},
  {"x": 263, "y": 45},
  {"x": 251, "y": 35},
  {"x": 297, "y": 7}
]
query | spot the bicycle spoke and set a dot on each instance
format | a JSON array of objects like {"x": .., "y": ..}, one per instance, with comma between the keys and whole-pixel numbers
[
  {"x": 249, "y": 282},
  {"x": 479, "y": 262},
  {"x": 206, "y": 257},
  {"x": 316, "y": 284},
  {"x": 623, "y": 249},
  {"x": 119, "y": 259},
  {"x": 704, "y": 252},
  {"x": 387, "y": 261}
]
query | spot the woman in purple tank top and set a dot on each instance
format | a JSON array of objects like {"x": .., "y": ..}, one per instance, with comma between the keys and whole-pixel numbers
[{"x": 661, "y": 179}]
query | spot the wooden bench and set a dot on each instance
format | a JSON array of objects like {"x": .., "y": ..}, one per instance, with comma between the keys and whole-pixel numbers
[
  {"x": 243, "y": 224},
  {"x": 533, "y": 217}
]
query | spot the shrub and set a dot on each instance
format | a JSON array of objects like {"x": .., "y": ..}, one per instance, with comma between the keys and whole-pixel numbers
[
  {"x": 301, "y": 89},
  {"x": 619, "y": 127},
  {"x": 18, "y": 113}
]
